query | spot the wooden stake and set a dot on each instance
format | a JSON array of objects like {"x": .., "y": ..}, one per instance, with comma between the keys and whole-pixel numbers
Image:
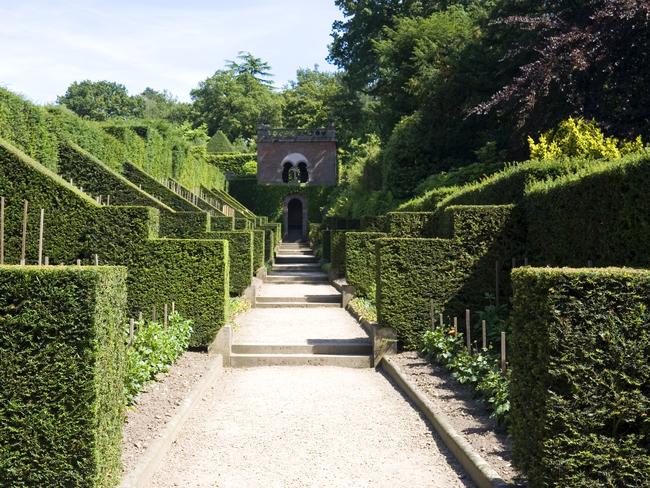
[
  {"x": 46, "y": 260},
  {"x": 442, "y": 321},
  {"x": 433, "y": 314},
  {"x": 96, "y": 259},
  {"x": 496, "y": 288},
  {"x": 131, "y": 331},
  {"x": 154, "y": 315},
  {"x": 503, "y": 352},
  {"x": 140, "y": 317},
  {"x": 468, "y": 333},
  {"x": 455, "y": 326},
  {"x": 41, "y": 227},
  {"x": 484, "y": 331},
  {"x": 108, "y": 199},
  {"x": 166, "y": 316},
  {"x": 2, "y": 230},
  {"x": 23, "y": 251},
  {"x": 173, "y": 307},
  {"x": 78, "y": 262}
]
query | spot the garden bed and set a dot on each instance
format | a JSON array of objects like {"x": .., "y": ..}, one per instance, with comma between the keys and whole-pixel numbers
[
  {"x": 466, "y": 413},
  {"x": 157, "y": 404}
]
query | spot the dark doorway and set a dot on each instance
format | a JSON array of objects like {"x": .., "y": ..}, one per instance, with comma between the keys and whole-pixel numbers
[{"x": 294, "y": 220}]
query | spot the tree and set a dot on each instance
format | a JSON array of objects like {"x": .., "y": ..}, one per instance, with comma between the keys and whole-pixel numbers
[
  {"x": 100, "y": 100},
  {"x": 164, "y": 106},
  {"x": 585, "y": 58},
  {"x": 219, "y": 143},
  {"x": 235, "y": 103},
  {"x": 256, "y": 67},
  {"x": 308, "y": 100}
]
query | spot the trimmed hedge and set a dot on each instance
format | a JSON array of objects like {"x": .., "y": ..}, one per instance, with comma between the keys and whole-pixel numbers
[
  {"x": 61, "y": 375},
  {"x": 222, "y": 223},
  {"x": 76, "y": 227},
  {"x": 231, "y": 163},
  {"x": 456, "y": 273},
  {"x": 580, "y": 390},
  {"x": 337, "y": 250},
  {"x": 377, "y": 223},
  {"x": 243, "y": 224},
  {"x": 273, "y": 238},
  {"x": 241, "y": 253},
  {"x": 602, "y": 214},
  {"x": 360, "y": 260},
  {"x": 267, "y": 200},
  {"x": 326, "y": 245},
  {"x": 259, "y": 255},
  {"x": 411, "y": 224}
]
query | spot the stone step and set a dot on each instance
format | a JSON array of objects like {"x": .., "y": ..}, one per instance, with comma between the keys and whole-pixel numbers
[
  {"x": 290, "y": 279},
  {"x": 298, "y": 272},
  {"x": 296, "y": 252},
  {"x": 294, "y": 248},
  {"x": 288, "y": 304},
  {"x": 287, "y": 259},
  {"x": 296, "y": 267},
  {"x": 255, "y": 360},
  {"x": 328, "y": 347},
  {"x": 300, "y": 299}
]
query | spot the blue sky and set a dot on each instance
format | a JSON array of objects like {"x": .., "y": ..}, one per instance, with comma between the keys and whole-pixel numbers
[{"x": 165, "y": 44}]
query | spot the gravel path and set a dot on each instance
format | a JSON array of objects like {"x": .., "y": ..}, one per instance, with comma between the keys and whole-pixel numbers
[{"x": 307, "y": 427}]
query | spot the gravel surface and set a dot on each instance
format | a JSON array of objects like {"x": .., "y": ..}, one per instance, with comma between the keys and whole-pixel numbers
[
  {"x": 157, "y": 404},
  {"x": 467, "y": 414},
  {"x": 295, "y": 326},
  {"x": 307, "y": 427}
]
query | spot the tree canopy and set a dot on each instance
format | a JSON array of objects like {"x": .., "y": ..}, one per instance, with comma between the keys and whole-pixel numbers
[{"x": 100, "y": 100}]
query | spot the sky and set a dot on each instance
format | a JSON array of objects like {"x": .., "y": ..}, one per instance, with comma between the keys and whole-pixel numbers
[{"x": 45, "y": 45}]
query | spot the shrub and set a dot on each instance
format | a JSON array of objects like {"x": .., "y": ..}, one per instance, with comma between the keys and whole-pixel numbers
[
  {"x": 61, "y": 375},
  {"x": 219, "y": 143},
  {"x": 411, "y": 224},
  {"x": 337, "y": 250},
  {"x": 241, "y": 250},
  {"x": 259, "y": 258},
  {"x": 154, "y": 349},
  {"x": 580, "y": 138},
  {"x": 579, "y": 355},
  {"x": 360, "y": 260},
  {"x": 232, "y": 163}
]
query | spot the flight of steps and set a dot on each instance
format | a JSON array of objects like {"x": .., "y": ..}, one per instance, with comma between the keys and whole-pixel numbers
[{"x": 302, "y": 322}]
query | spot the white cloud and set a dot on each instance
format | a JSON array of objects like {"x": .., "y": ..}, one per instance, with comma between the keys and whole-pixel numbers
[{"x": 46, "y": 45}]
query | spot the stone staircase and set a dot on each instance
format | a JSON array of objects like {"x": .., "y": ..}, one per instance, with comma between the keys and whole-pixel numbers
[{"x": 297, "y": 319}]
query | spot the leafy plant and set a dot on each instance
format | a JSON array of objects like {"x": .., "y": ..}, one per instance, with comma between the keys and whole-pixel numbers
[
  {"x": 365, "y": 307},
  {"x": 480, "y": 370},
  {"x": 237, "y": 305},
  {"x": 154, "y": 349}
]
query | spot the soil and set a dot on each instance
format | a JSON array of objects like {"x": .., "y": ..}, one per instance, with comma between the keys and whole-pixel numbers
[
  {"x": 156, "y": 405},
  {"x": 468, "y": 414}
]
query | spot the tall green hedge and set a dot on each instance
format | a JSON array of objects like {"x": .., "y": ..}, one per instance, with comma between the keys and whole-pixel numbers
[
  {"x": 361, "y": 260},
  {"x": 231, "y": 163},
  {"x": 376, "y": 223},
  {"x": 61, "y": 375},
  {"x": 242, "y": 255},
  {"x": 222, "y": 223},
  {"x": 337, "y": 250},
  {"x": 259, "y": 254},
  {"x": 580, "y": 391},
  {"x": 411, "y": 224},
  {"x": 457, "y": 273},
  {"x": 601, "y": 215},
  {"x": 156, "y": 147},
  {"x": 76, "y": 227}
]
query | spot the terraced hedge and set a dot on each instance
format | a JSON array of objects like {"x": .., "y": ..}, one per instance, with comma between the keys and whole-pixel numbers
[
  {"x": 580, "y": 390},
  {"x": 411, "y": 224},
  {"x": 361, "y": 260},
  {"x": 61, "y": 375},
  {"x": 241, "y": 252},
  {"x": 337, "y": 250},
  {"x": 76, "y": 227},
  {"x": 456, "y": 273},
  {"x": 378, "y": 223},
  {"x": 156, "y": 147},
  {"x": 259, "y": 258}
]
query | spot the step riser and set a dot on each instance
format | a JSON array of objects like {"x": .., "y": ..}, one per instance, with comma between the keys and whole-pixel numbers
[
  {"x": 287, "y": 252},
  {"x": 296, "y": 267},
  {"x": 295, "y": 260},
  {"x": 295, "y": 305},
  {"x": 328, "y": 349},
  {"x": 277, "y": 280},
  {"x": 310, "y": 299},
  {"x": 252, "y": 361}
]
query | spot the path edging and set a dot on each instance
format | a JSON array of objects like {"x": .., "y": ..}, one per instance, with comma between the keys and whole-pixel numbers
[
  {"x": 481, "y": 472},
  {"x": 141, "y": 474}
]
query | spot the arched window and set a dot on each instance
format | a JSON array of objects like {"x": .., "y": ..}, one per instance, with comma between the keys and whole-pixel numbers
[
  {"x": 286, "y": 168},
  {"x": 303, "y": 176}
]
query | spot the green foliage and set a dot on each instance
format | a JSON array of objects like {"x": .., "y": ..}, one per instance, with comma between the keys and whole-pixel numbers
[
  {"x": 337, "y": 250},
  {"x": 234, "y": 163},
  {"x": 480, "y": 370},
  {"x": 163, "y": 106},
  {"x": 255, "y": 67},
  {"x": 155, "y": 348},
  {"x": 219, "y": 143},
  {"x": 61, "y": 375},
  {"x": 242, "y": 255},
  {"x": 259, "y": 254},
  {"x": 365, "y": 308},
  {"x": 308, "y": 100},
  {"x": 235, "y": 102},
  {"x": 607, "y": 202},
  {"x": 580, "y": 376},
  {"x": 374, "y": 223},
  {"x": 411, "y": 224},
  {"x": 100, "y": 100},
  {"x": 360, "y": 261},
  {"x": 580, "y": 138},
  {"x": 237, "y": 306},
  {"x": 192, "y": 273}
]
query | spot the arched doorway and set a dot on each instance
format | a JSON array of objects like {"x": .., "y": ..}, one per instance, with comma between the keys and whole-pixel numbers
[{"x": 295, "y": 219}]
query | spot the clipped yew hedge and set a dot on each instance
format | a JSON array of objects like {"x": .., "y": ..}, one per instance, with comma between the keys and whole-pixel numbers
[
  {"x": 411, "y": 224},
  {"x": 61, "y": 375},
  {"x": 361, "y": 260},
  {"x": 376, "y": 223},
  {"x": 242, "y": 255},
  {"x": 259, "y": 254},
  {"x": 76, "y": 227},
  {"x": 337, "y": 250},
  {"x": 580, "y": 389}
]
